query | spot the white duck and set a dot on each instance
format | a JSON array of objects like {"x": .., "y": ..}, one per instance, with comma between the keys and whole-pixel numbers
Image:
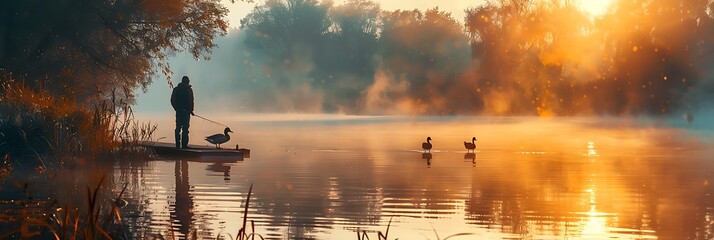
[
  {"x": 470, "y": 146},
  {"x": 219, "y": 139}
]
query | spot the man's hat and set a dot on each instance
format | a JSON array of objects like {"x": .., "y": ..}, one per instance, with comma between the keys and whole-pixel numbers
[{"x": 184, "y": 79}]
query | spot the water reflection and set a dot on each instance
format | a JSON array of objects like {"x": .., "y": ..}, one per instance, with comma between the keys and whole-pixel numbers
[
  {"x": 640, "y": 187},
  {"x": 220, "y": 167},
  {"x": 470, "y": 157},
  {"x": 182, "y": 207},
  {"x": 592, "y": 152},
  {"x": 427, "y": 157}
]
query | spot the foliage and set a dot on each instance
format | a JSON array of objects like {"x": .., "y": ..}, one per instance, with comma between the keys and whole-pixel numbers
[
  {"x": 78, "y": 50},
  {"x": 335, "y": 52},
  {"x": 639, "y": 58},
  {"x": 347, "y": 62},
  {"x": 509, "y": 57},
  {"x": 658, "y": 54},
  {"x": 523, "y": 48},
  {"x": 38, "y": 125},
  {"x": 421, "y": 71},
  {"x": 70, "y": 68},
  {"x": 290, "y": 34}
]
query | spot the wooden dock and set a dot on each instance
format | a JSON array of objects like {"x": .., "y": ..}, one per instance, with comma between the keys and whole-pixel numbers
[{"x": 169, "y": 150}]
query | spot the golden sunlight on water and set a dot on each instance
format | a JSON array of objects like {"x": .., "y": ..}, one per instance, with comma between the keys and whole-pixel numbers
[{"x": 328, "y": 177}]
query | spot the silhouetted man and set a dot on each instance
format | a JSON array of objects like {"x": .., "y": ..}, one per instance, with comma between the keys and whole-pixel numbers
[{"x": 182, "y": 101}]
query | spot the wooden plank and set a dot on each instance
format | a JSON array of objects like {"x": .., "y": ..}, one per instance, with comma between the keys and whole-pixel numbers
[{"x": 169, "y": 150}]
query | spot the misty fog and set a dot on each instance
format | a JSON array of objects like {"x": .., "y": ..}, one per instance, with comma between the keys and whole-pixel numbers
[{"x": 517, "y": 57}]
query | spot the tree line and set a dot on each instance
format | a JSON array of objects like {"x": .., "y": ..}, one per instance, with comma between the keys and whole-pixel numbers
[{"x": 507, "y": 57}]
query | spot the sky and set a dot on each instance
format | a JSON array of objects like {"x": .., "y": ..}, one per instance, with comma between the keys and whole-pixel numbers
[{"x": 239, "y": 10}]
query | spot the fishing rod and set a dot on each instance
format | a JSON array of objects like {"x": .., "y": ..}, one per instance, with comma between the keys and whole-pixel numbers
[{"x": 196, "y": 115}]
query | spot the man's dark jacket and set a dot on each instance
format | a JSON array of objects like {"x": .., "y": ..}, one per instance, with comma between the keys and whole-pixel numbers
[{"x": 182, "y": 98}]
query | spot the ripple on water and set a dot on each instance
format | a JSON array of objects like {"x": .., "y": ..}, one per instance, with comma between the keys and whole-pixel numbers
[{"x": 527, "y": 180}]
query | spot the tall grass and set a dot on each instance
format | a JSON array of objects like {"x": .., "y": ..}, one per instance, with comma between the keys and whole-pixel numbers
[
  {"x": 243, "y": 232},
  {"x": 98, "y": 218},
  {"x": 362, "y": 235},
  {"x": 37, "y": 124},
  {"x": 68, "y": 223},
  {"x": 381, "y": 236}
]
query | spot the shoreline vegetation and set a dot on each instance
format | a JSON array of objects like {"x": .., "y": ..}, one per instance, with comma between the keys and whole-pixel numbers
[
  {"x": 99, "y": 217},
  {"x": 38, "y": 126},
  {"x": 41, "y": 134}
]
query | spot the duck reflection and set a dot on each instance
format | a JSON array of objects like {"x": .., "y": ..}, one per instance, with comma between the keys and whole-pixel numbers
[
  {"x": 427, "y": 157},
  {"x": 221, "y": 168},
  {"x": 470, "y": 156},
  {"x": 182, "y": 211}
]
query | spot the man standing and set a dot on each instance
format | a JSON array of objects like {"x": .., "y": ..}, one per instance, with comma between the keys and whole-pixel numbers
[{"x": 182, "y": 101}]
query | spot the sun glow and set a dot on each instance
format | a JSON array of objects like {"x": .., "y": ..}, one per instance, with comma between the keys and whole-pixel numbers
[{"x": 595, "y": 7}]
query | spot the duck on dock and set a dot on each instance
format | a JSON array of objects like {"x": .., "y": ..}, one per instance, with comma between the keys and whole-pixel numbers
[
  {"x": 470, "y": 146},
  {"x": 219, "y": 139},
  {"x": 427, "y": 145}
]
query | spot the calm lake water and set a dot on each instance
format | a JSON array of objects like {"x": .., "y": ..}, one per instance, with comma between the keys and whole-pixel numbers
[{"x": 327, "y": 177}]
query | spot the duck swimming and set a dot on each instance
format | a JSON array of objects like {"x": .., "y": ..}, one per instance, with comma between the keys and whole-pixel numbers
[
  {"x": 219, "y": 139},
  {"x": 427, "y": 145},
  {"x": 470, "y": 146}
]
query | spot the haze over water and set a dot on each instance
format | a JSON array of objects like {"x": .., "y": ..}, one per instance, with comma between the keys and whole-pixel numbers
[{"x": 326, "y": 176}]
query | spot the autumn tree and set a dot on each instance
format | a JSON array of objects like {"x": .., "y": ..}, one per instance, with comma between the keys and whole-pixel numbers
[
  {"x": 642, "y": 57},
  {"x": 337, "y": 51},
  {"x": 287, "y": 29},
  {"x": 289, "y": 35},
  {"x": 655, "y": 53},
  {"x": 525, "y": 52},
  {"x": 430, "y": 50},
  {"x": 82, "y": 50},
  {"x": 307, "y": 44},
  {"x": 349, "y": 61}
]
